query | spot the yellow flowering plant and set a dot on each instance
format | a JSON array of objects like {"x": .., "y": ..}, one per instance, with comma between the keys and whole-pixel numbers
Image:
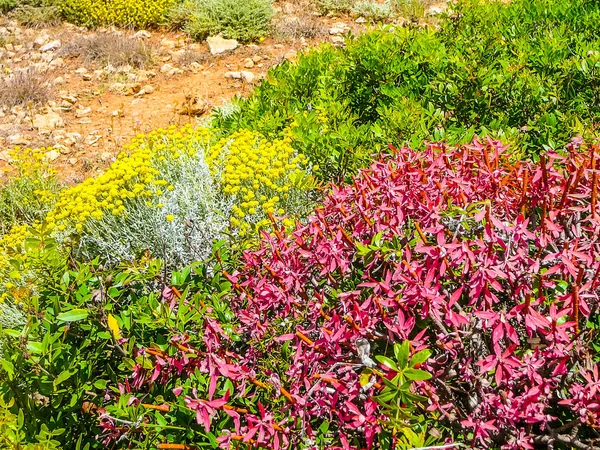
[
  {"x": 135, "y": 13},
  {"x": 31, "y": 189},
  {"x": 261, "y": 176}
]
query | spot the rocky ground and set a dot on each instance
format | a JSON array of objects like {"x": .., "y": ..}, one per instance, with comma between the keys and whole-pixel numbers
[{"x": 94, "y": 106}]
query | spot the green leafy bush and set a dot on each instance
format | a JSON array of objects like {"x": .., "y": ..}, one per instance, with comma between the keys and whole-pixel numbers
[
  {"x": 244, "y": 21},
  {"x": 525, "y": 72},
  {"x": 29, "y": 193}
]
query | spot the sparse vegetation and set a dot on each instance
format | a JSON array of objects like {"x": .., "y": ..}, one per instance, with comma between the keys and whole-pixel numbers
[
  {"x": 24, "y": 87},
  {"x": 303, "y": 24},
  {"x": 114, "y": 49}
]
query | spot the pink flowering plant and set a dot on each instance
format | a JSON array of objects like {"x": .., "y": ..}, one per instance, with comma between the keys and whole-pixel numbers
[{"x": 445, "y": 295}]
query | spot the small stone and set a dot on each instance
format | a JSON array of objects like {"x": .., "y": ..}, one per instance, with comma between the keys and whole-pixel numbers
[
  {"x": 93, "y": 139},
  {"x": 82, "y": 112},
  {"x": 117, "y": 113},
  {"x": 142, "y": 34},
  {"x": 166, "y": 68},
  {"x": 69, "y": 98},
  {"x": 105, "y": 156},
  {"x": 278, "y": 46},
  {"x": 196, "y": 67},
  {"x": 52, "y": 155},
  {"x": 337, "y": 39},
  {"x": 59, "y": 80},
  {"x": 40, "y": 40},
  {"x": 56, "y": 63},
  {"x": 73, "y": 161},
  {"x": 17, "y": 139},
  {"x": 147, "y": 89},
  {"x": 168, "y": 43},
  {"x": 9, "y": 47},
  {"x": 100, "y": 74},
  {"x": 257, "y": 59},
  {"x": 218, "y": 45},
  {"x": 233, "y": 75},
  {"x": 46, "y": 123},
  {"x": 247, "y": 76},
  {"x": 86, "y": 77},
  {"x": 50, "y": 46},
  {"x": 248, "y": 63},
  {"x": 81, "y": 71},
  {"x": 84, "y": 121},
  {"x": 361, "y": 20}
]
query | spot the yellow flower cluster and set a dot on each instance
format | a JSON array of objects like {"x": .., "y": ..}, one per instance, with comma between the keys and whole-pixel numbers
[
  {"x": 29, "y": 162},
  {"x": 134, "y": 175},
  {"x": 136, "y": 13},
  {"x": 257, "y": 173}
]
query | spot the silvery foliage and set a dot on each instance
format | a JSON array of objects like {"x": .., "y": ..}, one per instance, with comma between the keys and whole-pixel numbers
[
  {"x": 201, "y": 216},
  {"x": 369, "y": 8},
  {"x": 11, "y": 317}
]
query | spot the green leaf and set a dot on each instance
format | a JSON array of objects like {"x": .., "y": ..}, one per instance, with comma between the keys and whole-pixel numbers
[
  {"x": 63, "y": 376},
  {"x": 100, "y": 384},
  {"x": 35, "y": 347},
  {"x": 401, "y": 351},
  {"x": 74, "y": 315},
  {"x": 419, "y": 358},
  {"x": 12, "y": 333},
  {"x": 8, "y": 367},
  {"x": 387, "y": 362},
  {"x": 417, "y": 374}
]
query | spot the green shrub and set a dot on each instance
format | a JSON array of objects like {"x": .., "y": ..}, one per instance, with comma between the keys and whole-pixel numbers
[
  {"x": 7, "y": 5},
  {"x": 244, "y": 21},
  {"x": 37, "y": 16},
  {"x": 525, "y": 72},
  {"x": 29, "y": 193}
]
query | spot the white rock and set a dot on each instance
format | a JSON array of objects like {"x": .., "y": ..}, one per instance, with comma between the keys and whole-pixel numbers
[
  {"x": 40, "y": 40},
  {"x": 217, "y": 44},
  {"x": 166, "y": 68},
  {"x": 257, "y": 59},
  {"x": 361, "y": 20},
  {"x": 337, "y": 39},
  {"x": 50, "y": 46},
  {"x": 17, "y": 139},
  {"x": 147, "y": 89},
  {"x": 81, "y": 71},
  {"x": 248, "y": 63},
  {"x": 247, "y": 76},
  {"x": 45, "y": 123},
  {"x": 142, "y": 34},
  {"x": 52, "y": 155},
  {"x": 168, "y": 43},
  {"x": 56, "y": 63},
  {"x": 83, "y": 112},
  {"x": 233, "y": 75},
  {"x": 69, "y": 98}
]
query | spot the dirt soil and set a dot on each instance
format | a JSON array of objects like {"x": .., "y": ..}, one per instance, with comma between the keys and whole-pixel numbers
[{"x": 94, "y": 109}]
